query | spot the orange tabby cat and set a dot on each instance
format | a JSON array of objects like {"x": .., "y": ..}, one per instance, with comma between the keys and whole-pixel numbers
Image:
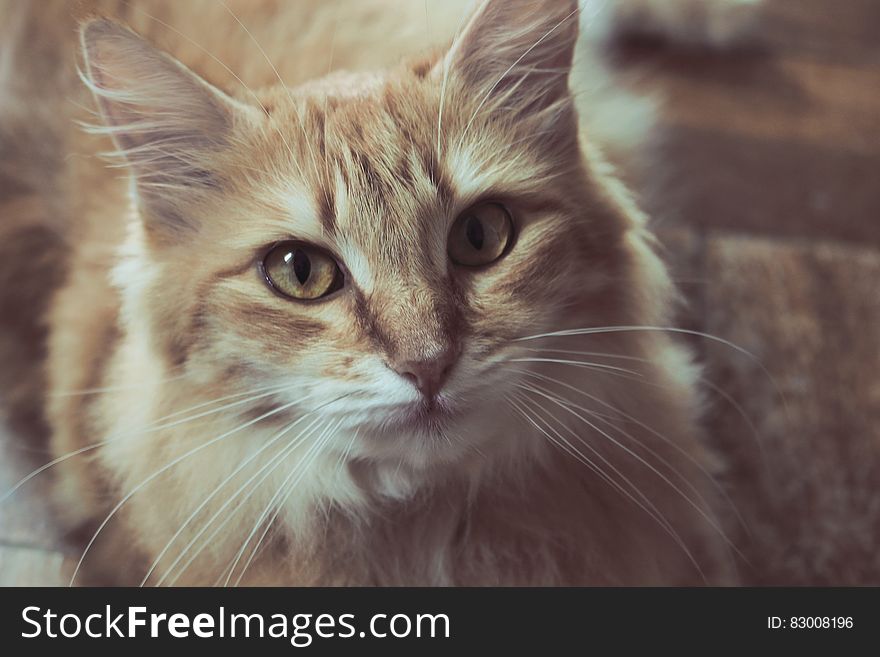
[{"x": 387, "y": 322}]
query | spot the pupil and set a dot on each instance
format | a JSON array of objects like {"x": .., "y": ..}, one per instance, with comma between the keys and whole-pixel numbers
[
  {"x": 302, "y": 266},
  {"x": 474, "y": 232}
]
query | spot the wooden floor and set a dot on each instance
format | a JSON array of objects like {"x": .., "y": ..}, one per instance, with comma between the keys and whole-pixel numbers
[
  {"x": 781, "y": 140},
  {"x": 766, "y": 192}
]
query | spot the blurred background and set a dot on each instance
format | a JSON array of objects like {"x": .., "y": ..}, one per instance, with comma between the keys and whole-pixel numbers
[{"x": 765, "y": 190}]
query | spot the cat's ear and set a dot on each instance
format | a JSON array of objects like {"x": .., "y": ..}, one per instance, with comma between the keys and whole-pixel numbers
[
  {"x": 167, "y": 122},
  {"x": 518, "y": 53}
]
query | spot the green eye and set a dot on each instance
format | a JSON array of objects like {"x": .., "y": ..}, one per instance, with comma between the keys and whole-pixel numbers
[
  {"x": 301, "y": 271},
  {"x": 480, "y": 235}
]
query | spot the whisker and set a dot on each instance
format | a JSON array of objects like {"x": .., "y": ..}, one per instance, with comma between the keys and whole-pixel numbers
[
  {"x": 218, "y": 488},
  {"x": 306, "y": 459},
  {"x": 121, "y": 388},
  {"x": 663, "y": 329},
  {"x": 532, "y": 403},
  {"x": 718, "y": 390},
  {"x": 659, "y": 435},
  {"x": 271, "y": 466},
  {"x": 712, "y": 522},
  {"x": 150, "y": 428},
  {"x": 578, "y": 363},
  {"x": 210, "y": 538},
  {"x": 629, "y": 329},
  {"x": 343, "y": 457},
  {"x": 443, "y": 84},
  {"x": 702, "y": 379},
  {"x": 165, "y": 468},
  {"x": 280, "y": 505},
  {"x": 641, "y": 444},
  {"x": 647, "y": 507},
  {"x": 593, "y": 354}
]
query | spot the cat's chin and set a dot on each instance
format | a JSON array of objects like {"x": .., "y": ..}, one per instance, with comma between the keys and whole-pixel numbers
[
  {"x": 428, "y": 416},
  {"x": 441, "y": 435}
]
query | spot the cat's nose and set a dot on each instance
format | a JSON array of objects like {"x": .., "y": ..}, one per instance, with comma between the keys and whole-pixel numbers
[{"x": 428, "y": 374}]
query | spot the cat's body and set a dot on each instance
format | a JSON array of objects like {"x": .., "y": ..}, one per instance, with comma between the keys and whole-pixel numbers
[{"x": 163, "y": 310}]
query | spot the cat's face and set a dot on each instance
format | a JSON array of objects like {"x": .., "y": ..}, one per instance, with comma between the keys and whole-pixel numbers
[{"x": 376, "y": 244}]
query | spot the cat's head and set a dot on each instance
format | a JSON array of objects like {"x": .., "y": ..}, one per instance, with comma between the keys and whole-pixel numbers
[{"x": 377, "y": 243}]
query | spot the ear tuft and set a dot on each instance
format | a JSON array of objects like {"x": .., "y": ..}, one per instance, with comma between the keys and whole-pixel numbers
[
  {"x": 519, "y": 52},
  {"x": 168, "y": 124}
]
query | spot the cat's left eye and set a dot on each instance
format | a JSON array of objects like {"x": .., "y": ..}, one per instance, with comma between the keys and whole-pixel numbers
[
  {"x": 480, "y": 235},
  {"x": 301, "y": 271}
]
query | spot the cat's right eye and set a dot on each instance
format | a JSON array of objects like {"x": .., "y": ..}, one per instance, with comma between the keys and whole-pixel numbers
[{"x": 301, "y": 271}]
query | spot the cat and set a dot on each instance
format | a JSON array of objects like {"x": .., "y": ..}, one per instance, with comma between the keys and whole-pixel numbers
[{"x": 391, "y": 322}]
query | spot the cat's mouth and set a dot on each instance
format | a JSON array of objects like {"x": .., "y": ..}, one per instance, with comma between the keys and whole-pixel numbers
[{"x": 426, "y": 414}]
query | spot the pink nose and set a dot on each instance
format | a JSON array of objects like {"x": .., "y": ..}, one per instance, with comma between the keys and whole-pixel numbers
[{"x": 428, "y": 375}]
